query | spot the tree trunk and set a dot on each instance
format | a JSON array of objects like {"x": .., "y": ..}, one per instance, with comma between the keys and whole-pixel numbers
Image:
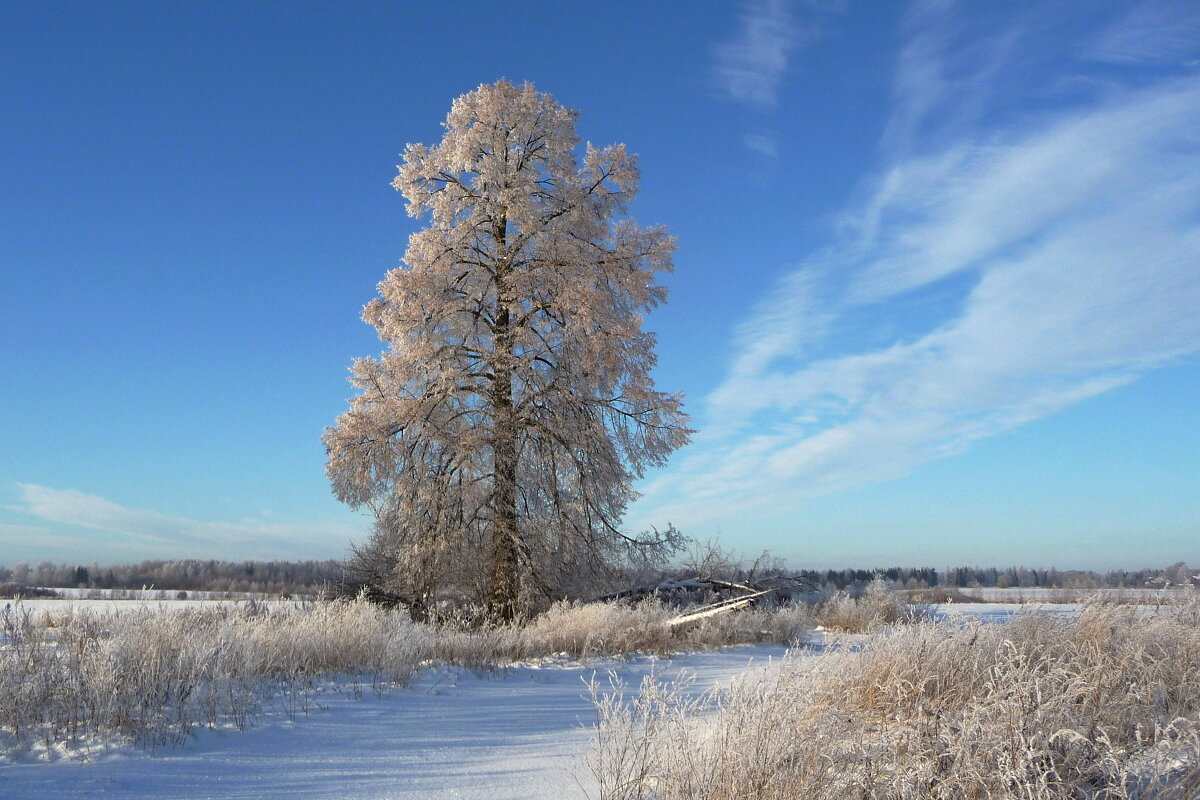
[
  {"x": 506, "y": 584},
  {"x": 505, "y": 567}
]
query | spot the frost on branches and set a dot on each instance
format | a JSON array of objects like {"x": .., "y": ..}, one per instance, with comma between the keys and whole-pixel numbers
[{"x": 497, "y": 438}]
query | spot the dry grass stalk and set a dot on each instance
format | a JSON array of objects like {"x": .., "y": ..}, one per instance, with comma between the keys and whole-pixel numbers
[
  {"x": 72, "y": 680},
  {"x": 878, "y": 606},
  {"x": 1105, "y": 707}
]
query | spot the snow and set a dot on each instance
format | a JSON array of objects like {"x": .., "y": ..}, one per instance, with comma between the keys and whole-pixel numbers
[
  {"x": 1001, "y": 612},
  {"x": 150, "y": 593},
  {"x": 1016, "y": 594},
  {"x": 518, "y": 732},
  {"x": 105, "y": 606}
]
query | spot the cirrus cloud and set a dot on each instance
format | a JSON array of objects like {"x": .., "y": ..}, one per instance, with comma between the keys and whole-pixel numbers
[
  {"x": 154, "y": 533},
  {"x": 994, "y": 270}
]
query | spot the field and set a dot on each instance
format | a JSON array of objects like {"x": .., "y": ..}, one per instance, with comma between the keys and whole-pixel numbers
[
  {"x": 349, "y": 701},
  {"x": 1014, "y": 594},
  {"x": 516, "y": 732}
]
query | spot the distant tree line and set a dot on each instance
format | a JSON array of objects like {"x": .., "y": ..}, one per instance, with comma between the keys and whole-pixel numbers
[
  {"x": 1002, "y": 578},
  {"x": 307, "y": 577},
  {"x": 270, "y": 577}
]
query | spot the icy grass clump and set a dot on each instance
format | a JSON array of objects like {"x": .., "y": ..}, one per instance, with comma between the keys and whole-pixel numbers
[
  {"x": 1041, "y": 708},
  {"x": 878, "y": 606},
  {"x": 75, "y": 679},
  {"x": 607, "y": 629},
  {"x": 69, "y": 680}
]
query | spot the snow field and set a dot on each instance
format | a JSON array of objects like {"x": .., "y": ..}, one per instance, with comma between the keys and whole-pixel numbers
[
  {"x": 523, "y": 730},
  {"x": 73, "y": 679},
  {"x": 519, "y": 732}
]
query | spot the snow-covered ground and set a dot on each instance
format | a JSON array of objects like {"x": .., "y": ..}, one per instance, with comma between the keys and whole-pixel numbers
[
  {"x": 1016, "y": 594},
  {"x": 518, "y": 732},
  {"x": 151, "y": 593},
  {"x": 34, "y": 605},
  {"x": 1000, "y": 612}
]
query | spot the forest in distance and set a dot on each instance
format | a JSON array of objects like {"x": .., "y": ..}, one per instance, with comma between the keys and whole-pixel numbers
[{"x": 295, "y": 578}]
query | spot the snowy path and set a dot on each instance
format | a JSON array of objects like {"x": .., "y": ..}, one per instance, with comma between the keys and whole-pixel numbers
[{"x": 515, "y": 733}]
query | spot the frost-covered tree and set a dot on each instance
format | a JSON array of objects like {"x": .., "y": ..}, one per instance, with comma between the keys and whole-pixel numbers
[
  {"x": 498, "y": 436},
  {"x": 1179, "y": 574}
]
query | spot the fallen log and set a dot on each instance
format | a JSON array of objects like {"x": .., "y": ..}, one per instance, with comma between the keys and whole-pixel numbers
[
  {"x": 678, "y": 588},
  {"x": 719, "y": 607}
]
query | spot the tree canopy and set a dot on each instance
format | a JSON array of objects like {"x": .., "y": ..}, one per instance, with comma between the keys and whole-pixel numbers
[{"x": 498, "y": 437}]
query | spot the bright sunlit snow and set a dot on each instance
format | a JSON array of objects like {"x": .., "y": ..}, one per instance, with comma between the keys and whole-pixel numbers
[{"x": 517, "y": 732}]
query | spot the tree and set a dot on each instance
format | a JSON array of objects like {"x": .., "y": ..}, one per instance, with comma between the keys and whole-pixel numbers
[
  {"x": 497, "y": 438},
  {"x": 1178, "y": 574}
]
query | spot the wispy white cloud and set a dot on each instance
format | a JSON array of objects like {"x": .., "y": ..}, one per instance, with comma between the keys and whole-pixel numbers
[
  {"x": 1062, "y": 256},
  {"x": 943, "y": 214},
  {"x": 945, "y": 75},
  {"x": 1156, "y": 31},
  {"x": 35, "y": 542},
  {"x": 749, "y": 68},
  {"x": 153, "y": 532},
  {"x": 765, "y": 144}
]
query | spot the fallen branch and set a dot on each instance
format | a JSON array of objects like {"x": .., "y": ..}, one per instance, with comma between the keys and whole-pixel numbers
[
  {"x": 713, "y": 609},
  {"x": 676, "y": 589}
]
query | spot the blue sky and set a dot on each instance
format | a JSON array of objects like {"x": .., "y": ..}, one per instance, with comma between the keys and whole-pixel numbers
[{"x": 936, "y": 299}]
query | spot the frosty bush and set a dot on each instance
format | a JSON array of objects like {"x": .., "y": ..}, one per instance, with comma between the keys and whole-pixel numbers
[
  {"x": 73, "y": 679},
  {"x": 615, "y": 629},
  {"x": 69, "y": 680},
  {"x": 1040, "y": 708},
  {"x": 879, "y": 605}
]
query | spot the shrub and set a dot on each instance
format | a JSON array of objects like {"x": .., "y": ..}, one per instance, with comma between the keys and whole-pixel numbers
[
  {"x": 877, "y": 606},
  {"x": 10, "y": 590},
  {"x": 940, "y": 594},
  {"x": 1040, "y": 708},
  {"x": 72, "y": 679}
]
